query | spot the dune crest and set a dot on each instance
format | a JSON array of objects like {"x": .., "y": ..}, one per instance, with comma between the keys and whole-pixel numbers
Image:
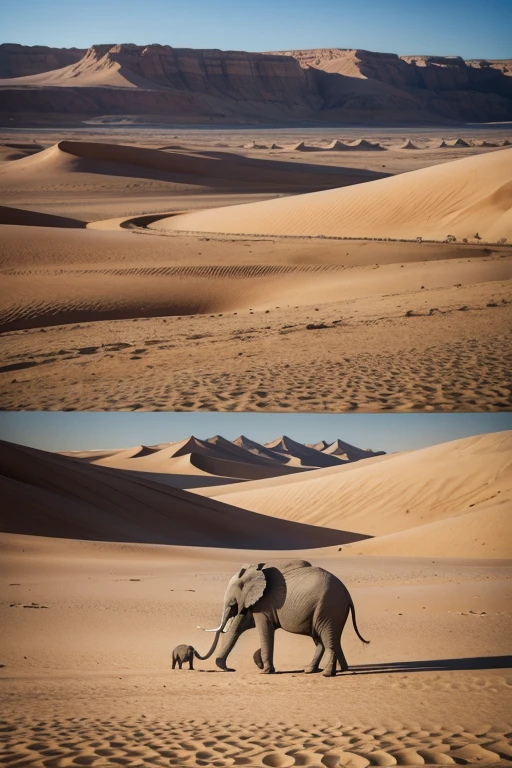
[
  {"x": 411, "y": 503},
  {"x": 64, "y": 498},
  {"x": 67, "y": 159},
  {"x": 463, "y": 198}
]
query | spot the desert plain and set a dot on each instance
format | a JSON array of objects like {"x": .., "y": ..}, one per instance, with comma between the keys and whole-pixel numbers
[
  {"x": 111, "y": 558},
  {"x": 228, "y": 268}
]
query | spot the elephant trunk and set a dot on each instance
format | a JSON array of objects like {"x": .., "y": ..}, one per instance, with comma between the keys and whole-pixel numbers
[
  {"x": 223, "y": 626},
  {"x": 212, "y": 649},
  {"x": 241, "y": 623}
]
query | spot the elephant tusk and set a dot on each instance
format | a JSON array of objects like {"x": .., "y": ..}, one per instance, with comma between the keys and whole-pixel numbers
[
  {"x": 228, "y": 624},
  {"x": 210, "y": 630}
]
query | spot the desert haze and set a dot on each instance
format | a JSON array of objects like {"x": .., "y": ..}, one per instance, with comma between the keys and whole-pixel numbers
[{"x": 108, "y": 564}]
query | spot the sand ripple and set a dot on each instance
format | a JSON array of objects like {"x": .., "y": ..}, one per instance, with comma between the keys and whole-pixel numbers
[{"x": 88, "y": 742}]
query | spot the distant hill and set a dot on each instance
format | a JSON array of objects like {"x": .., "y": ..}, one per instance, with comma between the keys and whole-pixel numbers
[{"x": 158, "y": 83}]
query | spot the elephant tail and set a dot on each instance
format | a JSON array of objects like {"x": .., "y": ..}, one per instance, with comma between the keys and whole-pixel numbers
[{"x": 353, "y": 610}]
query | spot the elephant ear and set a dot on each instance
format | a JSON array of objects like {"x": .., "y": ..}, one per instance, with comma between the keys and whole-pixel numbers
[{"x": 254, "y": 584}]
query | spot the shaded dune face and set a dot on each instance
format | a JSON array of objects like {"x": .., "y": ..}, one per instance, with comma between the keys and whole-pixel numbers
[
  {"x": 463, "y": 198},
  {"x": 219, "y": 459},
  {"x": 449, "y": 500},
  {"x": 64, "y": 498},
  {"x": 199, "y": 168}
]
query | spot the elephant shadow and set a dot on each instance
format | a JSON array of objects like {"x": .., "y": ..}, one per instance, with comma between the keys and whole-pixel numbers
[{"x": 431, "y": 665}]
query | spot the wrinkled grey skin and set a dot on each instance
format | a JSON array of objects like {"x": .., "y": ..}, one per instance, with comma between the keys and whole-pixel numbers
[{"x": 291, "y": 595}]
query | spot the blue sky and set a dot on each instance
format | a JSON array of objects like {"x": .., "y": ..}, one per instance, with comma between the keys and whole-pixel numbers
[
  {"x": 388, "y": 432},
  {"x": 470, "y": 28}
]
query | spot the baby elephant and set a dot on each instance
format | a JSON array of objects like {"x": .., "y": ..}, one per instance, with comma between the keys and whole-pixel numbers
[{"x": 182, "y": 654}]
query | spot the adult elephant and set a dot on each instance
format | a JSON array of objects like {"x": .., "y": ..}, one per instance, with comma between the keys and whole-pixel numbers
[{"x": 291, "y": 595}]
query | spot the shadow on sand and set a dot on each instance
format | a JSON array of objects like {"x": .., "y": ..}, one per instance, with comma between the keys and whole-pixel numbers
[{"x": 436, "y": 665}]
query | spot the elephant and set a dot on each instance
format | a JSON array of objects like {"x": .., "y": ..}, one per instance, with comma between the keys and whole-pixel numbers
[
  {"x": 292, "y": 595},
  {"x": 186, "y": 653},
  {"x": 182, "y": 654}
]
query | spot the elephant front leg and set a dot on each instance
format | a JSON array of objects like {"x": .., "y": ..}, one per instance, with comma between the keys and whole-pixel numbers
[
  {"x": 266, "y": 632},
  {"x": 315, "y": 664}
]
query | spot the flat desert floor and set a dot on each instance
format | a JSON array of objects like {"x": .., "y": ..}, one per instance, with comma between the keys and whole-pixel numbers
[
  {"x": 86, "y": 676},
  {"x": 113, "y": 301}
]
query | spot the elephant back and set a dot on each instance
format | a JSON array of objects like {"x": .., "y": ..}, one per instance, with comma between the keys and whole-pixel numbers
[{"x": 285, "y": 566}]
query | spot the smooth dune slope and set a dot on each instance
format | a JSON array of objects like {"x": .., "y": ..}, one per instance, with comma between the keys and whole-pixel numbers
[
  {"x": 286, "y": 479},
  {"x": 483, "y": 532},
  {"x": 46, "y": 494},
  {"x": 464, "y": 198},
  {"x": 398, "y": 493},
  {"x": 88, "y": 161}
]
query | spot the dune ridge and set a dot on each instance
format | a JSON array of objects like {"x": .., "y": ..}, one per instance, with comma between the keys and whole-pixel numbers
[
  {"x": 75, "y": 159},
  {"x": 217, "y": 459},
  {"x": 407, "y": 502},
  {"x": 64, "y": 498},
  {"x": 462, "y": 199}
]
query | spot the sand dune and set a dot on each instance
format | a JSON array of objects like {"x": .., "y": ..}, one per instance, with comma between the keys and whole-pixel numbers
[
  {"x": 348, "y": 452},
  {"x": 121, "y": 301},
  {"x": 85, "y": 161},
  {"x": 10, "y": 151},
  {"x": 408, "y": 144},
  {"x": 482, "y": 532},
  {"x": 399, "y": 493},
  {"x": 64, "y": 498},
  {"x": 9, "y": 215},
  {"x": 305, "y": 456},
  {"x": 366, "y": 146},
  {"x": 285, "y": 479},
  {"x": 193, "y": 462},
  {"x": 462, "y": 198}
]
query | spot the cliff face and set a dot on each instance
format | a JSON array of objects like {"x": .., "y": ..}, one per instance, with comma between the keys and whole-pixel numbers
[
  {"x": 21, "y": 60},
  {"x": 181, "y": 85},
  {"x": 428, "y": 85},
  {"x": 178, "y": 84},
  {"x": 232, "y": 74}
]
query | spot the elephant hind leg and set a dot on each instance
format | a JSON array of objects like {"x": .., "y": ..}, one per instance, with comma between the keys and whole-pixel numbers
[
  {"x": 335, "y": 655},
  {"x": 266, "y": 632},
  {"x": 341, "y": 659},
  {"x": 330, "y": 664},
  {"x": 319, "y": 652}
]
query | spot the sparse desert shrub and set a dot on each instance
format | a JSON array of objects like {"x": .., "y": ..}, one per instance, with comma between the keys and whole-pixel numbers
[
  {"x": 451, "y": 239},
  {"x": 477, "y": 236},
  {"x": 502, "y": 241}
]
